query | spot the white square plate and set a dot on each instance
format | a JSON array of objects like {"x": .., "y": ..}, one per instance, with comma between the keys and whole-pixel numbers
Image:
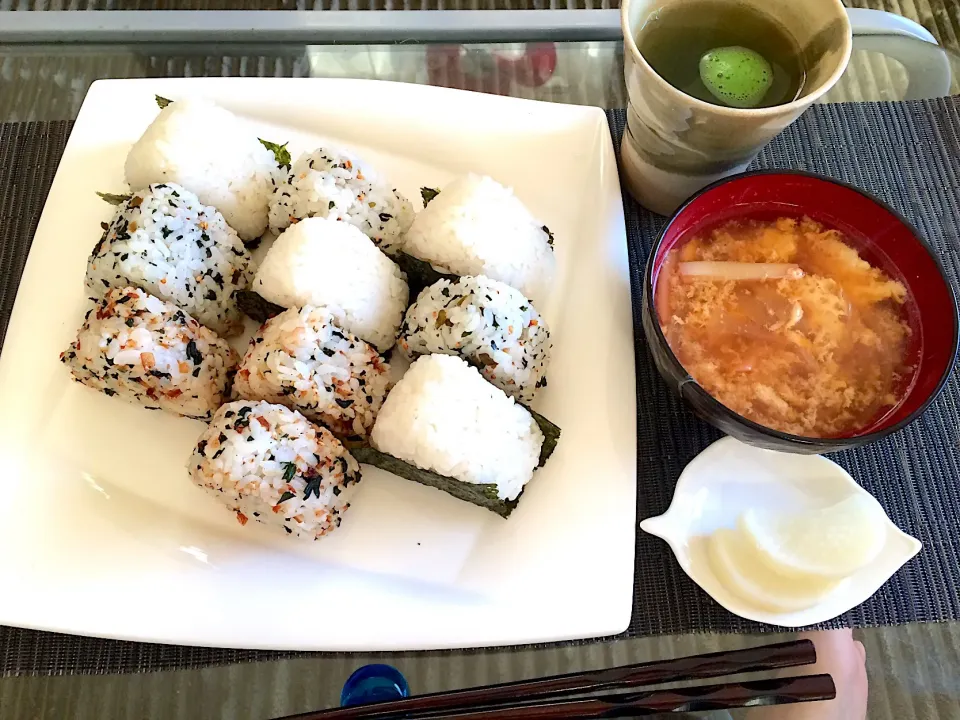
[{"x": 102, "y": 532}]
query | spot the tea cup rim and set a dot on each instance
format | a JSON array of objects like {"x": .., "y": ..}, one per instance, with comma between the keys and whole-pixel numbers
[{"x": 798, "y": 105}]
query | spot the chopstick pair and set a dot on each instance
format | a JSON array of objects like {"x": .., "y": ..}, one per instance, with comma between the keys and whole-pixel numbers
[{"x": 547, "y": 698}]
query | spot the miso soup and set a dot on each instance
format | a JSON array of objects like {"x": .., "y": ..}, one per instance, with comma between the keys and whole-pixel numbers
[{"x": 783, "y": 322}]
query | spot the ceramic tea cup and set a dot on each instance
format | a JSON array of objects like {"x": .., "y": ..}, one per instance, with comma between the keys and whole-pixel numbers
[{"x": 675, "y": 144}]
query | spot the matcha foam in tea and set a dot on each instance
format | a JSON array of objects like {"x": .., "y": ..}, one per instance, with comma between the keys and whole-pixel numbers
[{"x": 724, "y": 53}]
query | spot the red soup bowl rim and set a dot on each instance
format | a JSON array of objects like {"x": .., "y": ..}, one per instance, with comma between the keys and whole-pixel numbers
[{"x": 717, "y": 406}]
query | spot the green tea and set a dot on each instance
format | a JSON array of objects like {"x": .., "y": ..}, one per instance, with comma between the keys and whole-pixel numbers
[{"x": 676, "y": 38}]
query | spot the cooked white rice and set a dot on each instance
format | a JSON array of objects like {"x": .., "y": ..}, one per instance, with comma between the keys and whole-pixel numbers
[
  {"x": 303, "y": 360},
  {"x": 147, "y": 351},
  {"x": 486, "y": 322},
  {"x": 319, "y": 261},
  {"x": 333, "y": 183},
  {"x": 211, "y": 152},
  {"x": 476, "y": 226},
  {"x": 164, "y": 240},
  {"x": 270, "y": 464},
  {"x": 443, "y": 416}
]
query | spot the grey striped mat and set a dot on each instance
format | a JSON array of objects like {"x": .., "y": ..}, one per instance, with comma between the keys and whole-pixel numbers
[{"x": 908, "y": 153}]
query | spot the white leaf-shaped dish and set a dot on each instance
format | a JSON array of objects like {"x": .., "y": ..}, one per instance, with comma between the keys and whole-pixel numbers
[{"x": 727, "y": 478}]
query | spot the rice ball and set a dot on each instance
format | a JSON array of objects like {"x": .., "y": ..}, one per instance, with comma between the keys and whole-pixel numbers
[
  {"x": 486, "y": 322},
  {"x": 164, "y": 240},
  {"x": 319, "y": 261},
  {"x": 444, "y": 417},
  {"x": 211, "y": 152},
  {"x": 335, "y": 184},
  {"x": 303, "y": 360},
  {"x": 137, "y": 347},
  {"x": 476, "y": 226},
  {"x": 270, "y": 464}
]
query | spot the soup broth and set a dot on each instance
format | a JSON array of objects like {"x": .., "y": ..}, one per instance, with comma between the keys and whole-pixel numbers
[
  {"x": 784, "y": 323},
  {"x": 674, "y": 38}
]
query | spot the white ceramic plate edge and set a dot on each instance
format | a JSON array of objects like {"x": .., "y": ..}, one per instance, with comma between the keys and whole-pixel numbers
[{"x": 616, "y": 613}]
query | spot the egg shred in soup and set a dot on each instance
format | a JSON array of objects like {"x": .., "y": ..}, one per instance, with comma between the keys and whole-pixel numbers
[{"x": 785, "y": 324}]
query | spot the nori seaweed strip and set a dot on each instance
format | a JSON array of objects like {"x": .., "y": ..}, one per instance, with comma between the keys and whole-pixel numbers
[
  {"x": 420, "y": 273},
  {"x": 114, "y": 199},
  {"x": 428, "y": 194},
  {"x": 483, "y": 495},
  {"x": 254, "y": 306},
  {"x": 549, "y": 235},
  {"x": 551, "y": 435},
  {"x": 162, "y": 101}
]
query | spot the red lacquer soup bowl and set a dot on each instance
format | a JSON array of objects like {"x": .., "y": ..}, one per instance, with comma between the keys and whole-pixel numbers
[{"x": 881, "y": 236}]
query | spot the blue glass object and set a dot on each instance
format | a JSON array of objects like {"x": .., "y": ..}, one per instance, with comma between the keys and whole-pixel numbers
[{"x": 372, "y": 684}]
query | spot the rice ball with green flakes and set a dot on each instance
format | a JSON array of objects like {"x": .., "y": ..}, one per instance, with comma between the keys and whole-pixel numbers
[
  {"x": 302, "y": 359},
  {"x": 335, "y": 184},
  {"x": 444, "y": 417},
  {"x": 268, "y": 463},
  {"x": 489, "y": 324},
  {"x": 319, "y": 261},
  {"x": 209, "y": 150},
  {"x": 164, "y": 240},
  {"x": 476, "y": 226},
  {"x": 137, "y": 347}
]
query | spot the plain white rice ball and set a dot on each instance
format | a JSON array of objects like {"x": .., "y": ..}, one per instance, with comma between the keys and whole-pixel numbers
[
  {"x": 319, "y": 261},
  {"x": 209, "y": 151},
  {"x": 444, "y": 417},
  {"x": 333, "y": 183},
  {"x": 476, "y": 226}
]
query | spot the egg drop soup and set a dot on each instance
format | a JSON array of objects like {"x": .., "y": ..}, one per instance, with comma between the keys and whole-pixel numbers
[{"x": 784, "y": 323}]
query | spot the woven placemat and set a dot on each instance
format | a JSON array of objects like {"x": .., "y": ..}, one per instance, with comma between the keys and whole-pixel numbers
[{"x": 907, "y": 153}]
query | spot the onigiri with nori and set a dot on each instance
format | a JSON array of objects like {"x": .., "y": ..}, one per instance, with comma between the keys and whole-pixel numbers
[
  {"x": 476, "y": 226},
  {"x": 444, "y": 417},
  {"x": 319, "y": 261}
]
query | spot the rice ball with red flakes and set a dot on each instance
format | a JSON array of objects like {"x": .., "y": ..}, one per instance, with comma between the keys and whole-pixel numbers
[
  {"x": 303, "y": 359},
  {"x": 147, "y": 351},
  {"x": 268, "y": 463}
]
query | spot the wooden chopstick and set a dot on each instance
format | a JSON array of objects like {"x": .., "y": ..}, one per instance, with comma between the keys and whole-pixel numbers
[
  {"x": 696, "y": 667},
  {"x": 780, "y": 691}
]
